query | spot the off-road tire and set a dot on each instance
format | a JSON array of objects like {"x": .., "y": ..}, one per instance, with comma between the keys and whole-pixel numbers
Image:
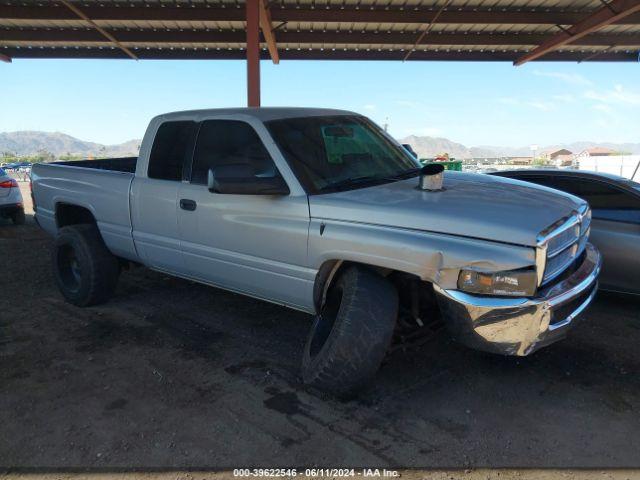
[
  {"x": 18, "y": 217},
  {"x": 91, "y": 276},
  {"x": 349, "y": 338}
]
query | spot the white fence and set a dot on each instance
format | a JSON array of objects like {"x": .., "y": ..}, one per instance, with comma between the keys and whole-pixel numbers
[{"x": 627, "y": 166}]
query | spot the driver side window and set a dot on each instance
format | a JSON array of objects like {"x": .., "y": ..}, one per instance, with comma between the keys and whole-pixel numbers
[{"x": 230, "y": 142}]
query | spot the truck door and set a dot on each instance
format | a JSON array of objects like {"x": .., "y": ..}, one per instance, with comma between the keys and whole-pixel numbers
[
  {"x": 255, "y": 244},
  {"x": 154, "y": 197}
]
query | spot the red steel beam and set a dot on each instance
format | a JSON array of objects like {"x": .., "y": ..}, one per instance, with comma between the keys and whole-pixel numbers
[
  {"x": 69, "y": 36},
  {"x": 341, "y": 14},
  {"x": 612, "y": 12},
  {"x": 253, "y": 52},
  {"x": 305, "y": 54},
  {"x": 102, "y": 31},
  {"x": 267, "y": 31},
  {"x": 428, "y": 29}
]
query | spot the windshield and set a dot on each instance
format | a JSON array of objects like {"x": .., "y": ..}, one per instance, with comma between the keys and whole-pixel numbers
[{"x": 340, "y": 152}]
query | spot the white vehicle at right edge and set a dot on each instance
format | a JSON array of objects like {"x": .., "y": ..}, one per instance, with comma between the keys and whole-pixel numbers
[{"x": 10, "y": 199}]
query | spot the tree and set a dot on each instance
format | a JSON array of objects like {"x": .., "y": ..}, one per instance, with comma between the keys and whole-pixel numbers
[{"x": 44, "y": 156}]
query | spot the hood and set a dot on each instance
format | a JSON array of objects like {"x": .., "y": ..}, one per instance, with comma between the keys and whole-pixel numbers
[{"x": 471, "y": 205}]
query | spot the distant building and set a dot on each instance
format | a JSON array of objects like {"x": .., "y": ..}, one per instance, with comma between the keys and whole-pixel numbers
[
  {"x": 499, "y": 161},
  {"x": 564, "y": 160},
  {"x": 627, "y": 166},
  {"x": 596, "y": 152},
  {"x": 553, "y": 153}
]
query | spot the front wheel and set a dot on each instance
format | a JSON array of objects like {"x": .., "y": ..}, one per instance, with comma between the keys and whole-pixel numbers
[
  {"x": 84, "y": 269},
  {"x": 349, "y": 338}
]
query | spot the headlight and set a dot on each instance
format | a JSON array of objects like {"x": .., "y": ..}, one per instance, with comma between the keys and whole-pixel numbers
[{"x": 513, "y": 283}]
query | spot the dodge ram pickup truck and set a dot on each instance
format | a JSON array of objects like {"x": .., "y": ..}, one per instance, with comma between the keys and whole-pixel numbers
[{"x": 322, "y": 211}]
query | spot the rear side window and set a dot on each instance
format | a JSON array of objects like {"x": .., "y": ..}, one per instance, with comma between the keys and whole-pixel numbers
[
  {"x": 544, "y": 181},
  {"x": 171, "y": 148},
  {"x": 607, "y": 202},
  {"x": 599, "y": 195},
  {"x": 229, "y": 142}
]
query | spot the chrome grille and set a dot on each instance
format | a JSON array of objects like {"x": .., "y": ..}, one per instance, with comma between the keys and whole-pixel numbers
[
  {"x": 564, "y": 243},
  {"x": 564, "y": 239},
  {"x": 586, "y": 222},
  {"x": 560, "y": 261}
]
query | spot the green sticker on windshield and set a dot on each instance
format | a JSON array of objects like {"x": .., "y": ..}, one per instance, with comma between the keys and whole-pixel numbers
[{"x": 340, "y": 140}]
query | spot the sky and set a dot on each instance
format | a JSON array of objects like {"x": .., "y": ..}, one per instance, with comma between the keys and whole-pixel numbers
[{"x": 474, "y": 103}]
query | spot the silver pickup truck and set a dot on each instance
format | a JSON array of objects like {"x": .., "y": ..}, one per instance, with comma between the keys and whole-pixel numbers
[{"x": 322, "y": 211}]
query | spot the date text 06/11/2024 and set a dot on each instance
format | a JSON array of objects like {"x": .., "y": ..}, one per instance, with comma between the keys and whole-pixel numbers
[{"x": 314, "y": 472}]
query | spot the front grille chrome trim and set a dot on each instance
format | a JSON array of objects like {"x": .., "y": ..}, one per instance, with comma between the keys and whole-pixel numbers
[
  {"x": 562, "y": 248},
  {"x": 559, "y": 245}
]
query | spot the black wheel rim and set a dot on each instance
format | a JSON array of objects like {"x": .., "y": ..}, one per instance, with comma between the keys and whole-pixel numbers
[
  {"x": 325, "y": 321},
  {"x": 69, "y": 268}
]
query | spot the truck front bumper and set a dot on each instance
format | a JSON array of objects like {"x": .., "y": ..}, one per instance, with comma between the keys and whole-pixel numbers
[{"x": 520, "y": 326}]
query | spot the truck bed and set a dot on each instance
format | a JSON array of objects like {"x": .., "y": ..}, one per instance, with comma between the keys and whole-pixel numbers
[
  {"x": 124, "y": 164},
  {"x": 100, "y": 187}
]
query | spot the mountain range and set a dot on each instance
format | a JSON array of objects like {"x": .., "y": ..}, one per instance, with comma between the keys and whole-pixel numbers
[
  {"x": 27, "y": 142},
  {"x": 427, "y": 147},
  {"x": 24, "y": 143}
]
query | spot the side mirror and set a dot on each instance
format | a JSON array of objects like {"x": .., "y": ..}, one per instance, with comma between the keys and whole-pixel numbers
[{"x": 241, "y": 180}]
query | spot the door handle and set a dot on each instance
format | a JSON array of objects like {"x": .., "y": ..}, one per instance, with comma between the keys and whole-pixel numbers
[{"x": 186, "y": 204}]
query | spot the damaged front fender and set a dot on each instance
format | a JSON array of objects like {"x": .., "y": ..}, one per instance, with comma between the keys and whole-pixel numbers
[{"x": 432, "y": 257}]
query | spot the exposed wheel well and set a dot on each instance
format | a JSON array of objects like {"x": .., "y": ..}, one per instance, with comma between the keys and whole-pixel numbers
[
  {"x": 406, "y": 283},
  {"x": 67, "y": 214}
]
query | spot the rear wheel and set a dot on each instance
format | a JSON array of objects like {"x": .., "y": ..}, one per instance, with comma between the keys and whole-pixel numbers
[
  {"x": 84, "y": 269},
  {"x": 18, "y": 217},
  {"x": 349, "y": 338}
]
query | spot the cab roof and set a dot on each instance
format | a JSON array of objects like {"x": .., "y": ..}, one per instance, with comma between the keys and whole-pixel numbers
[{"x": 261, "y": 113}]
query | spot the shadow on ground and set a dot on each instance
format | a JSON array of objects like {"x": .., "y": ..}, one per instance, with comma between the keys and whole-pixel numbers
[{"x": 171, "y": 374}]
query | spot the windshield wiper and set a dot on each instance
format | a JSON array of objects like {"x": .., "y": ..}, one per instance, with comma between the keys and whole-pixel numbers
[
  {"x": 406, "y": 174},
  {"x": 355, "y": 181},
  {"x": 350, "y": 182}
]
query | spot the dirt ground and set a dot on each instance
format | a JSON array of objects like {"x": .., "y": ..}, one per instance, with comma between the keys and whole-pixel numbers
[{"x": 175, "y": 375}]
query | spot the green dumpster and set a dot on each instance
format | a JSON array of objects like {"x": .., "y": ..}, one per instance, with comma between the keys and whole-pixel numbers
[{"x": 450, "y": 165}]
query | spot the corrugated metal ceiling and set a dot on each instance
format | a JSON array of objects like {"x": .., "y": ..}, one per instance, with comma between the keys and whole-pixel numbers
[{"x": 467, "y": 29}]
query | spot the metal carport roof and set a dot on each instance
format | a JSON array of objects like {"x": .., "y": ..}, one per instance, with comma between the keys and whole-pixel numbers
[{"x": 468, "y": 30}]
